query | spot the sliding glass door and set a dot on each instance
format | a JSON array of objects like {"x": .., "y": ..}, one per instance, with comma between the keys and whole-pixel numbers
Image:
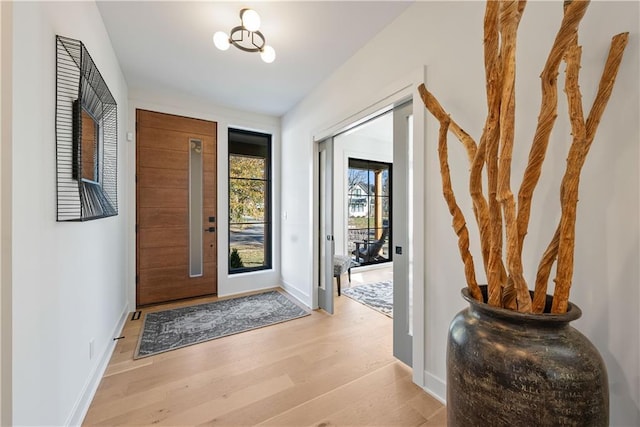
[{"x": 369, "y": 211}]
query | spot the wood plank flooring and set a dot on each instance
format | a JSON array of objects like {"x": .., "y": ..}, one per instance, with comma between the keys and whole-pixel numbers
[{"x": 319, "y": 370}]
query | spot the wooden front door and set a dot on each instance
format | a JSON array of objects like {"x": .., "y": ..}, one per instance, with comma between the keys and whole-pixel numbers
[{"x": 176, "y": 200}]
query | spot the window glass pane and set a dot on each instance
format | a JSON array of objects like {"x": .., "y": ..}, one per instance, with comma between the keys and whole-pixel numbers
[
  {"x": 247, "y": 167},
  {"x": 384, "y": 251},
  {"x": 386, "y": 211},
  {"x": 371, "y": 211},
  {"x": 247, "y": 200},
  {"x": 357, "y": 206},
  {"x": 195, "y": 208},
  {"x": 386, "y": 182},
  {"x": 248, "y": 243}
]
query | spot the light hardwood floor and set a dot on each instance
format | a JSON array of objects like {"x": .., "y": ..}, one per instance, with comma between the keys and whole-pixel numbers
[
  {"x": 319, "y": 370},
  {"x": 362, "y": 275}
]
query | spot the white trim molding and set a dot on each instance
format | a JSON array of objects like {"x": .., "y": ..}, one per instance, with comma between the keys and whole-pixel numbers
[{"x": 81, "y": 407}]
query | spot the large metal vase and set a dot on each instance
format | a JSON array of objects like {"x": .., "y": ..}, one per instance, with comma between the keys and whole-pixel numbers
[{"x": 511, "y": 369}]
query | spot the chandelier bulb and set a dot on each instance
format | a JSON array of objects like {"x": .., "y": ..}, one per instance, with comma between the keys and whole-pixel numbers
[
  {"x": 221, "y": 40},
  {"x": 250, "y": 19},
  {"x": 268, "y": 54}
]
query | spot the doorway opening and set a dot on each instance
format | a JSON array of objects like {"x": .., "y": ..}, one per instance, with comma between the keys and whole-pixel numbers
[
  {"x": 362, "y": 208},
  {"x": 364, "y": 217}
]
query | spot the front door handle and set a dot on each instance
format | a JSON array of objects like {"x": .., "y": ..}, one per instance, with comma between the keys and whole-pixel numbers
[{"x": 210, "y": 229}]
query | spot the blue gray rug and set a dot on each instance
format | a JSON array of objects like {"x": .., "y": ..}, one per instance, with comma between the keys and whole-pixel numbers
[
  {"x": 180, "y": 327},
  {"x": 378, "y": 296}
]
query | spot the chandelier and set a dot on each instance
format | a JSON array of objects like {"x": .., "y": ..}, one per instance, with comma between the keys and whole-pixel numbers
[{"x": 246, "y": 36}]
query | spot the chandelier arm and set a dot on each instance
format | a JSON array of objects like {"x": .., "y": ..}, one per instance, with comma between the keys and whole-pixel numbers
[{"x": 253, "y": 46}]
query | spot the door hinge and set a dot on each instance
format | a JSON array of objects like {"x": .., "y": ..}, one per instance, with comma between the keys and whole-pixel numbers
[
  {"x": 136, "y": 228},
  {"x": 137, "y": 279}
]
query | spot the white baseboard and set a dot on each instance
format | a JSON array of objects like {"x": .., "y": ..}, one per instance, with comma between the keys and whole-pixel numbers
[
  {"x": 81, "y": 407},
  {"x": 297, "y": 294},
  {"x": 436, "y": 387}
]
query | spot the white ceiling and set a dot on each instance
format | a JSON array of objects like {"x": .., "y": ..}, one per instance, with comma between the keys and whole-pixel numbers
[{"x": 168, "y": 45}]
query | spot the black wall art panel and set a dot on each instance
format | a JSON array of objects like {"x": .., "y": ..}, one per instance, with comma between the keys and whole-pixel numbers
[{"x": 86, "y": 136}]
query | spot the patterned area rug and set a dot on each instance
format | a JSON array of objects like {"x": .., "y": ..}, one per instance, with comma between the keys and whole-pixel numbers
[
  {"x": 180, "y": 327},
  {"x": 378, "y": 296}
]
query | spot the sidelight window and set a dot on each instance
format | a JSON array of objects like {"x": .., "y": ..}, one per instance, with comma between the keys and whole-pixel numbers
[{"x": 249, "y": 201}]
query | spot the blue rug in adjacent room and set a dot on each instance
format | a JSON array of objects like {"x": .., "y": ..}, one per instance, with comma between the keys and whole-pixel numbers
[
  {"x": 179, "y": 327},
  {"x": 378, "y": 296}
]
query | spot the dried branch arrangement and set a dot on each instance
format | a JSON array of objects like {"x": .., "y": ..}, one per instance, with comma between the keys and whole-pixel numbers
[{"x": 502, "y": 222}]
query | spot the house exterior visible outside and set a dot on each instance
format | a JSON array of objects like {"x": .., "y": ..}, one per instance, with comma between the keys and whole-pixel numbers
[{"x": 358, "y": 205}]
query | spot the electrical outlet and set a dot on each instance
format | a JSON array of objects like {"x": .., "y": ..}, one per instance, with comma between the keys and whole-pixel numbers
[{"x": 91, "y": 348}]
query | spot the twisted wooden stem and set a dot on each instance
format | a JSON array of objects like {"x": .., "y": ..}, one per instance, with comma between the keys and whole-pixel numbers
[
  {"x": 510, "y": 12},
  {"x": 583, "y": 137},
  {"x": 544, "y": 271},
  {"x": 573, "y": 14},
  {"x": 570, "y": 182},
  {"x": 496, "y": 274},
  {"x": 459, "y": 224},
  {"x": 434, "y": 107}
]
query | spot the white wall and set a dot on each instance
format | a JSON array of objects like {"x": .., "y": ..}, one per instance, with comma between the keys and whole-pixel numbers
[
  {"x": 446, "y": 37},
  {"x": 184, "y": 105},
  {"x": 358, "y": 145},
  {"x": 68, "y": 279}
]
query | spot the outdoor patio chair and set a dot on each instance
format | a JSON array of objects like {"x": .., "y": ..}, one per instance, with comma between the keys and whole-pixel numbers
[{"x": 366, "y": 251}]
